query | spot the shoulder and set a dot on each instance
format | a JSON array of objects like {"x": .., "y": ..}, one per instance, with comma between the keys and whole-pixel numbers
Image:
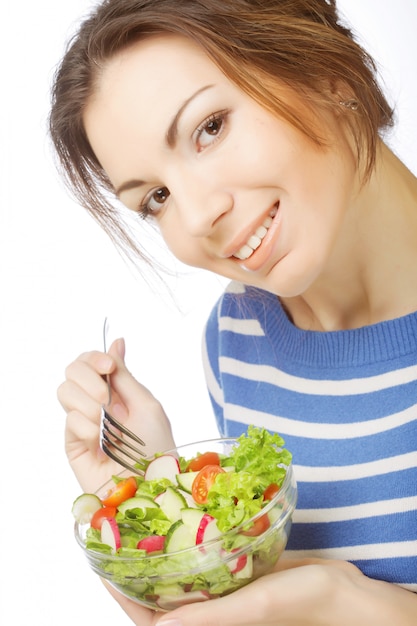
[
  {"x": 242, "y": 310},
  {"x": 242, "y": 302}
]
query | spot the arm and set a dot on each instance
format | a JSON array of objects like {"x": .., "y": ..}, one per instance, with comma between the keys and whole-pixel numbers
[{"x": 81, "y": 395}]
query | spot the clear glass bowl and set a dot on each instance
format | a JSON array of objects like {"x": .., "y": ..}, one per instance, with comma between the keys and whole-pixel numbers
[{"x": 165, "y": 581}]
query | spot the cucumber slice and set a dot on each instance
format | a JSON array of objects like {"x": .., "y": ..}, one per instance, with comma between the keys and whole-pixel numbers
[
  {"x": 179, "y": 537},
  {"x": 188, "y": 498},
  {"x": 185, "y": 480},
  {"x": 137, "y": 502},
  {"x": 192, "y": 518},
  {"x": 171, "y": 503},
  {"x": 171, "y": 589},
  {"x": 85, "y": 506},
  {"x": 275, "y": 513}
]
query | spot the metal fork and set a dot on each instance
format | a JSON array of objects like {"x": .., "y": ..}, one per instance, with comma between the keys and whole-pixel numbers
[{"x": 118, "y": 442}]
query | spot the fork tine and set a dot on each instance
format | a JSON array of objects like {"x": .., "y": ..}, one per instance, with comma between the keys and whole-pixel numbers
[
  {"x": 120, "y": 443},
  {"x": 120, "y": 461},
  {"x": 116, "y": 445},
  {"x": 114, "y": 437},
  {"x": 111, "y": 441},
  {"x": 123, "y": 429}
]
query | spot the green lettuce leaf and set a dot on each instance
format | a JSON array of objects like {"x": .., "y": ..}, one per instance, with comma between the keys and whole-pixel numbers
[{"x": 259, "y": 459}]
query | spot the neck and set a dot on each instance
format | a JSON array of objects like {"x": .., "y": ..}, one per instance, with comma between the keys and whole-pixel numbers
[{"x": 372, "y": 273}]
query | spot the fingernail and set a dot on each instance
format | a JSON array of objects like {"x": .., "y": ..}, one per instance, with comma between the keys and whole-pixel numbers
[
  {"x": 121, "y": 347},
  {"x": 169, "y": 622}
]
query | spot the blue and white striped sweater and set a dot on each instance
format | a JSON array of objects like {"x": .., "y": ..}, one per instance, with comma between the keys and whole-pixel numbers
[{"x": 346, "y": 404}]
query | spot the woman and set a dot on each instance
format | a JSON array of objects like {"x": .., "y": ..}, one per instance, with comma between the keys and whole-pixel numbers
[{"x": 251, "y": 134}]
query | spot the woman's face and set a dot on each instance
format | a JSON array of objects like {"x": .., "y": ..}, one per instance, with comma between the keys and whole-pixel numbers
[{"x": 233, "y": 188}]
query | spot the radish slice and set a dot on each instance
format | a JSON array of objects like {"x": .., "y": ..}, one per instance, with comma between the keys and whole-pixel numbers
[
  {"x": 153, "y": 543},
  {"x": 237, "y": 564},
  {"x": 207, "y": 529},
  {"x": 164, "y": 466},
  {"x": 110, "y": 534}
]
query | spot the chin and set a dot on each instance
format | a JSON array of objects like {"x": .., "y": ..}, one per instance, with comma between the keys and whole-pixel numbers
[{"x": 289, "y": 287}]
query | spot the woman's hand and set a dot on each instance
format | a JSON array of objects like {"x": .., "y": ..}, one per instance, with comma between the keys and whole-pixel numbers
[
  {"x": 308, "y": 592},
  {"x": 138, "y": 614},
  {"x": 82, "y": 395}
]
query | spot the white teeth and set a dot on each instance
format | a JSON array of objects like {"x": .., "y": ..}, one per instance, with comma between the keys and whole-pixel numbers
[
  {"x": 261, "y": 231},
  {"x": 255, "y": 240},
  {"x": 244, "y": 253}
]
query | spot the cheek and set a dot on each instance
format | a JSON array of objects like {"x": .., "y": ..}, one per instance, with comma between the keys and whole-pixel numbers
[{"x": 183, "y": 248}]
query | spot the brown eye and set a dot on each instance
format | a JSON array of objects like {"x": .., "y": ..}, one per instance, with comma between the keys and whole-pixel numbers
[
  {"x": 210, "y": 130},
  {"x": 154, "y": 202},
  {"x": 213, "y": 127},
  {"x": 160, "y": 195}
]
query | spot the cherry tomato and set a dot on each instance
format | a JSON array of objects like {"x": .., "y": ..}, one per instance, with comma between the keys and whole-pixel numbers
[
  {"x": 124, "y": 490},
  {"x": 101, "y": 514},
  {"x": 208, "y": 458},
  {"x": 204, "y": 481},
  {"x": 260, "y": 525},
  {"x": 271, "y": 491}
]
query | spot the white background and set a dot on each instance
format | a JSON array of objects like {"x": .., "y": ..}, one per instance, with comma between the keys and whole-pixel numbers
[{"x": 60, "y": 276}]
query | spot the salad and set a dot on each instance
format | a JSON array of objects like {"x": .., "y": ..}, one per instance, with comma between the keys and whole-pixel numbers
[{"x": 190, "y": 528}]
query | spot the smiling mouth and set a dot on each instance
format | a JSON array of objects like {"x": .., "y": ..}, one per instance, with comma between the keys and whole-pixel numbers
[{"x": 255, "y": 240}]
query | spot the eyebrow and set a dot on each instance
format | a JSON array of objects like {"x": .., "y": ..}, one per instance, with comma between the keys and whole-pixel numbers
[
  {"x": 129, "y": 184},
  {"x": 170, "y": 139},
  {"x": 172, "y": 132}
]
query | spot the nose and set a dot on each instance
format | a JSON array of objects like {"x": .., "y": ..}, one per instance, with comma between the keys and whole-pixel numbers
[{"x": 201, "y": 204}]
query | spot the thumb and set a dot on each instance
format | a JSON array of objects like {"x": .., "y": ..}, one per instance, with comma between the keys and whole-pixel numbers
[
  {"x": 254, "y": 604},
  {"x": 122, "y": 381},
  {"x": 127, "y": 392},
  {"x": 118, "y": 349},
  {"x": 198, "y": 614}
]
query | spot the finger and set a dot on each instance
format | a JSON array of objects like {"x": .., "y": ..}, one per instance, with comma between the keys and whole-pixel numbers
[
  {"x": 82, "y": 445},
  {"x": 127, "y": 388},
  {"x": 138, "y": 614},
  {"x": 248, "y": 606},
  {"x": 101, "y": 362},
  {"x": 118, "y": 348},
  {"x": 287, "y": 562},
  {"x": 136, "y": 407},
  {"x": 72, "y": 397},
  {"x": 81, "y": 432},
  {"x": 87, "y": 376}
]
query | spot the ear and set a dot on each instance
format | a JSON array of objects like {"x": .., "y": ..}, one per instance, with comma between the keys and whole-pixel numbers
[{"x": 343, "y": 95}]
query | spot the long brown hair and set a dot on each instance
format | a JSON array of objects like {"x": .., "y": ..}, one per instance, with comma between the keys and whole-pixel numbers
[{"x": 301, "y": 43}]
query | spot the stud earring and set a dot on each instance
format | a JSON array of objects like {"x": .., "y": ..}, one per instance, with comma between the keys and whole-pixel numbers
[{"x": 353, "y": 105}]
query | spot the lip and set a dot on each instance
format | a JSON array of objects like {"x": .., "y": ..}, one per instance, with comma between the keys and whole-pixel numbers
[{"x": 244, "y": 235}]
